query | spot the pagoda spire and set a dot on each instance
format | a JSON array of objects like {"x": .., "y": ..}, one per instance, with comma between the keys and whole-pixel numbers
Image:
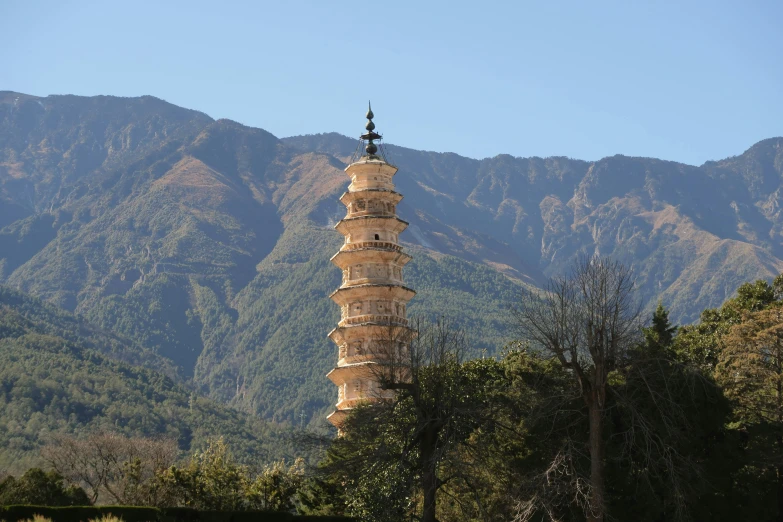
[
  {"x": 368, "y": 148},
  {"x": 370, "y": 135},
  {"x": 372, "y": 297}
]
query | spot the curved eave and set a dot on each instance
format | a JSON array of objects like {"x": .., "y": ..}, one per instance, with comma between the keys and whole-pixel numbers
[
  {"x": 338, "y": 294},
  {"x": 336, "y": 335},
  {"x": 362, "y": 330},
  {"x": 340, "y": 374},
  {"x": 350, "y": 195},
  {"x": 343, "y": 258},
  {"x": 370, "y": 162},
  {"x": 349, "y": 222},
  {"x": 337, "y": 417}
]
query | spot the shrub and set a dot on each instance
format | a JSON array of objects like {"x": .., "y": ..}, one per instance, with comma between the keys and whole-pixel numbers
[
  {"x": 38, "y": 487},
  {"x": 80, "y": 513},
  {"x": 146, "y": 514},
  {"x": 38, "y": 518}
]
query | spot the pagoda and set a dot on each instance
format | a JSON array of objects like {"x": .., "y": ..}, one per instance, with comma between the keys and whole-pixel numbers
[{"x": 372, "y": 296}]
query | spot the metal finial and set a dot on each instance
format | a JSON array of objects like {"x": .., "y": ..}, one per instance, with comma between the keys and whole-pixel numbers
[{"x": 371, "y": 135}]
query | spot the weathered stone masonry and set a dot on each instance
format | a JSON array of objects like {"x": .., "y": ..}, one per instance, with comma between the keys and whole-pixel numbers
[{"x": 372, "y": 296}]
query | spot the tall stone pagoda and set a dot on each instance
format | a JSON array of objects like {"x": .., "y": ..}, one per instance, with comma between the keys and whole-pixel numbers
[{"x": 372, "y": 296}]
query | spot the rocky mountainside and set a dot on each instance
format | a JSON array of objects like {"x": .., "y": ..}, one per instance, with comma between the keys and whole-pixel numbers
[
  {"x": 208, "y": 242},
  {"x": 690, "y": 233}
]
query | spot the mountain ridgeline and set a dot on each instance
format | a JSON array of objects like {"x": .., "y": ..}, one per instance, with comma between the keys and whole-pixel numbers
[{"x": 208, "y": 242}]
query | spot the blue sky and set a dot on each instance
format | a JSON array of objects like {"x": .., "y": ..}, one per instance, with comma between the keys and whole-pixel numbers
[{"x": 687, "y": 81}]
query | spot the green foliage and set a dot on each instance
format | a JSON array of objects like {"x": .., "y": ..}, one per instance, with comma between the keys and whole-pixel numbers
[
  {"x": 41, "y": 488},
  {"x": 270, "y": 360},
  {"x": 662, "y": 409},
  {"x": 700, "y": 343},
  {"x": 668, "y": 453},
  {"x": 278, "y": 485},
  {"x": 46, "y": 319},
  {"x": 396, "y": 459},
  {"x": 371, "y": 463},
  {"x": 476, "y": 297},
  {"x": 324, "y": 493},
  {"x": 132, "y": 207},
  {"x": 753, "y": 297},
  {"x": 155, "y": 315},
  {"x": 738, "y": 345},
  {"x": 12, "y": 513},
  {"x": 51, "y": 385},
  {"x": 200, "y": 249},
  {"x": 214, "y": 480},
  {"x": 145, "y": 514},
  {"x": 777, "y": 287},
  {"x": 660, "y": 334},
  {"x": 750, "y": 369}
]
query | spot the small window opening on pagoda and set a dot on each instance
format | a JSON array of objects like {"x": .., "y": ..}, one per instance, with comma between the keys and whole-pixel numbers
[{"x": 377, "y": 237}]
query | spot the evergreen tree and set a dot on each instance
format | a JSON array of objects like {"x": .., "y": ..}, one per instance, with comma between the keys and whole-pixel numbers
[
  {"x": 660, "y": 335},
  {"x": 41, "y": 488}
]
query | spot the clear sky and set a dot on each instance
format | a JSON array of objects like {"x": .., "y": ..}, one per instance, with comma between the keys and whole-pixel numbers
[{"x": 680, "y": 80}]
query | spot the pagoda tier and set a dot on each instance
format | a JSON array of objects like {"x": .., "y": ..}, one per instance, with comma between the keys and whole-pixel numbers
[
  {"x": 383, "y": 296},
  {"x": 371, "y": 228},
  {"x": 366, "y": 254},
  {"x": 373, "y": 298},
  {"x": 383, "y": 201},
  {"x": 353, "y": 339}
]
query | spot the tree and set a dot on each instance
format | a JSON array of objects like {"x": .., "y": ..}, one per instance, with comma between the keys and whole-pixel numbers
[
  {"x": 701, "y": 343},
  {"x": 37, "y": 487},
  {"x": 660, "y": 334},
  {"x": 735, "y": 344},
  {"x": 650, "y": 419},
  {"x": 665, "y": 428},
  {"x": 750, "y": 369},
  {"x": 750, "y": 366},
  {"x": 588, "y": 322},
  {"x": 113, "y": 467},
  {"x": 214, "y": 480},
  {"x": 211, "y": 480},
  {"x": 406, "y": 447},
  {"x": 277, "y": 487},
  {"x": 539, "y": 425}
]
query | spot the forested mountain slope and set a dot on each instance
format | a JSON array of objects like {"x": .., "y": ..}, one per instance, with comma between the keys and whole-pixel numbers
[
  {"x": 53, "y": 380},
  {"x": 47, "y": 319},
  {"x": 208, "y": 242}
]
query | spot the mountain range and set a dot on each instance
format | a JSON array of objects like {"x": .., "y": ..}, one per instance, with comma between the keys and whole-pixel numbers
[{"x": 207, "y": 242}]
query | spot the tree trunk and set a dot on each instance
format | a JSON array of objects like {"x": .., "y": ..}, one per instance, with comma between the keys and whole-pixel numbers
[
  {"x": 779, "y": 473},
  {"x": 429, "y": 475},
  {"x": 596, "y": 513}
]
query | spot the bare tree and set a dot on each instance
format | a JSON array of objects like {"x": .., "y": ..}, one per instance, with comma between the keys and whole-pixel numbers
[
  {"x": 113, "y": 467},
  {"x": 588, "y": 321}
]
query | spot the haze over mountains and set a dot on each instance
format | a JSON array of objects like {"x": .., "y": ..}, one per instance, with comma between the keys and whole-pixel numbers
[{"x": 208, "y": 242}]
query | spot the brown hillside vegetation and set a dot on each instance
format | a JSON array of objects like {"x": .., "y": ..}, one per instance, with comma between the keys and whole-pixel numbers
[{"x": 209, "y": 241}]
